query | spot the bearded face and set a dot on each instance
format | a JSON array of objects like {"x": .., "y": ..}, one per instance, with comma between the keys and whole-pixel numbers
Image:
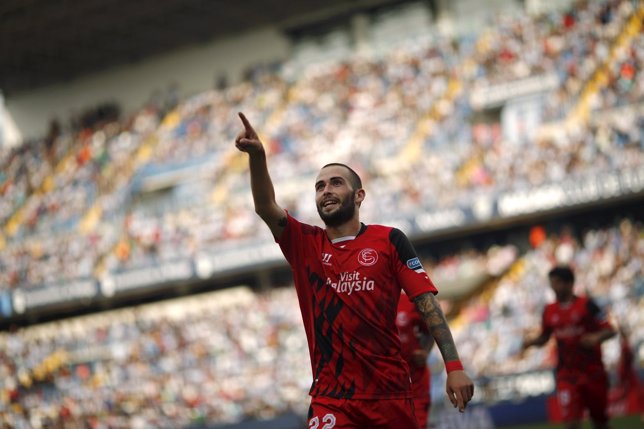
[
  {"x": 335, "y": 198},
  {"x": 335, "y": 211}
]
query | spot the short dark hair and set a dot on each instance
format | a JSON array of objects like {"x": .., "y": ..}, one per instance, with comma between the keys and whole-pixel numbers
[
  {"x": 563, "y": 273},
  {"x": 355, "y": 180}
]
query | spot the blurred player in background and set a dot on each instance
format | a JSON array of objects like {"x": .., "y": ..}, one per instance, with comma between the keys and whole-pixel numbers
[
  {"x": 348, "y": 279},
  {"x": 579, "y": 327},
  {"x": 416, "y": 344}
]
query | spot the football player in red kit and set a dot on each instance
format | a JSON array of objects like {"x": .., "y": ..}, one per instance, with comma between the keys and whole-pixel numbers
[
  {"x": 416, "y": 343},
  {"x": 579, "y": 327},
  {"x": 348, "y": 278}
]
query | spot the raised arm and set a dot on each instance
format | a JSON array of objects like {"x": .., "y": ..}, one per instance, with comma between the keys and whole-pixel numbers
[
  {"x": 459, "y": 387},
  {"x": 260, "y": 180}
]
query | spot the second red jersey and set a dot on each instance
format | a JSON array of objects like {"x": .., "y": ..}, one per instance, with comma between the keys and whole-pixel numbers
[
  {"x": 348, "y": 294},
  {"x": 568, "y": 323}
]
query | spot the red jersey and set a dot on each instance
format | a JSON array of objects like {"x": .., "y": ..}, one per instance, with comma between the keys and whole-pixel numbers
[
  {"x": 568, "y": 322},
  {"x": 411, "y": 327},
  {"x": 348, "y": 293}
]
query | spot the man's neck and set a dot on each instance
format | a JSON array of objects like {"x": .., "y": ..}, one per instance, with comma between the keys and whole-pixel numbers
[{"x": 351, "y": 228}]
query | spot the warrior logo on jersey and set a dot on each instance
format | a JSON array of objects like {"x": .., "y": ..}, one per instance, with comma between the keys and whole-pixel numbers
[
  {"x": 326, "y": 258},
  {"x": 368, "y": 257}
]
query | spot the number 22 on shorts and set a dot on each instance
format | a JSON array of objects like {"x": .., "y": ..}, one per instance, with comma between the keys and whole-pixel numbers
[{"x": 328, "y": 420}]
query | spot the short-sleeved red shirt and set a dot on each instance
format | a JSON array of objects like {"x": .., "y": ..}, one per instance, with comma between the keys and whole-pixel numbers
[
  {"x": 348, "y": 294},
  {"x": 568, "y": 322}
]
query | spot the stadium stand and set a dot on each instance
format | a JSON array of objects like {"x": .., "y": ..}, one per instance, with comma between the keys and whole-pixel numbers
[{"x": 534, "y": 118}]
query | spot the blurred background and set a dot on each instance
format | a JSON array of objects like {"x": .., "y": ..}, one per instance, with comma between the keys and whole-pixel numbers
[{"x": 138, "y": 289}]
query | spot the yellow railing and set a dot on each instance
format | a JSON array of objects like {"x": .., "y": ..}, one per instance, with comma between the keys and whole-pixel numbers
[{"x": 599, "y": 79}]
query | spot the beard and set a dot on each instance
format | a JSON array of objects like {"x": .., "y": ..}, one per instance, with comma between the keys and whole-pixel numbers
[{"x": 342, "y": 215}]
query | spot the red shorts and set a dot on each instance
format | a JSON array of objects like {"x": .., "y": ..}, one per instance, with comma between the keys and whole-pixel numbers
[
  {"x": 331, "y": 413},
  {"x": 574, "y": 397}
]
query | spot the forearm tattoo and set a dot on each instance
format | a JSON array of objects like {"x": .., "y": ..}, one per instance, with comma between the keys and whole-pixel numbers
[
  {"x": 433, "y": 316},
  {"x": 426, "y": 341}
]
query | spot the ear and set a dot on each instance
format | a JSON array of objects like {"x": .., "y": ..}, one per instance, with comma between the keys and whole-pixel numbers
[{"x": 360, "y": 195}]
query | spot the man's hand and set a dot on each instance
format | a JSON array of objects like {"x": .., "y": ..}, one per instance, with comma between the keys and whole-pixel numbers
[
  {"x": 460, "y": 389},
  {"x": 247, "y": 140}
]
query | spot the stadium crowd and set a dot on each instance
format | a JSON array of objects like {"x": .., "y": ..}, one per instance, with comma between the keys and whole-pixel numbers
[
  {"x": 164, "y": 365},
  {"x": 75, "y": 205},
  {"x": 365, "y": 110}
]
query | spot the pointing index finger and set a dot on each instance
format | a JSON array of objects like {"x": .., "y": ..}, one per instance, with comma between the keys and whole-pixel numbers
[{"x": 247, "y": 125}]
